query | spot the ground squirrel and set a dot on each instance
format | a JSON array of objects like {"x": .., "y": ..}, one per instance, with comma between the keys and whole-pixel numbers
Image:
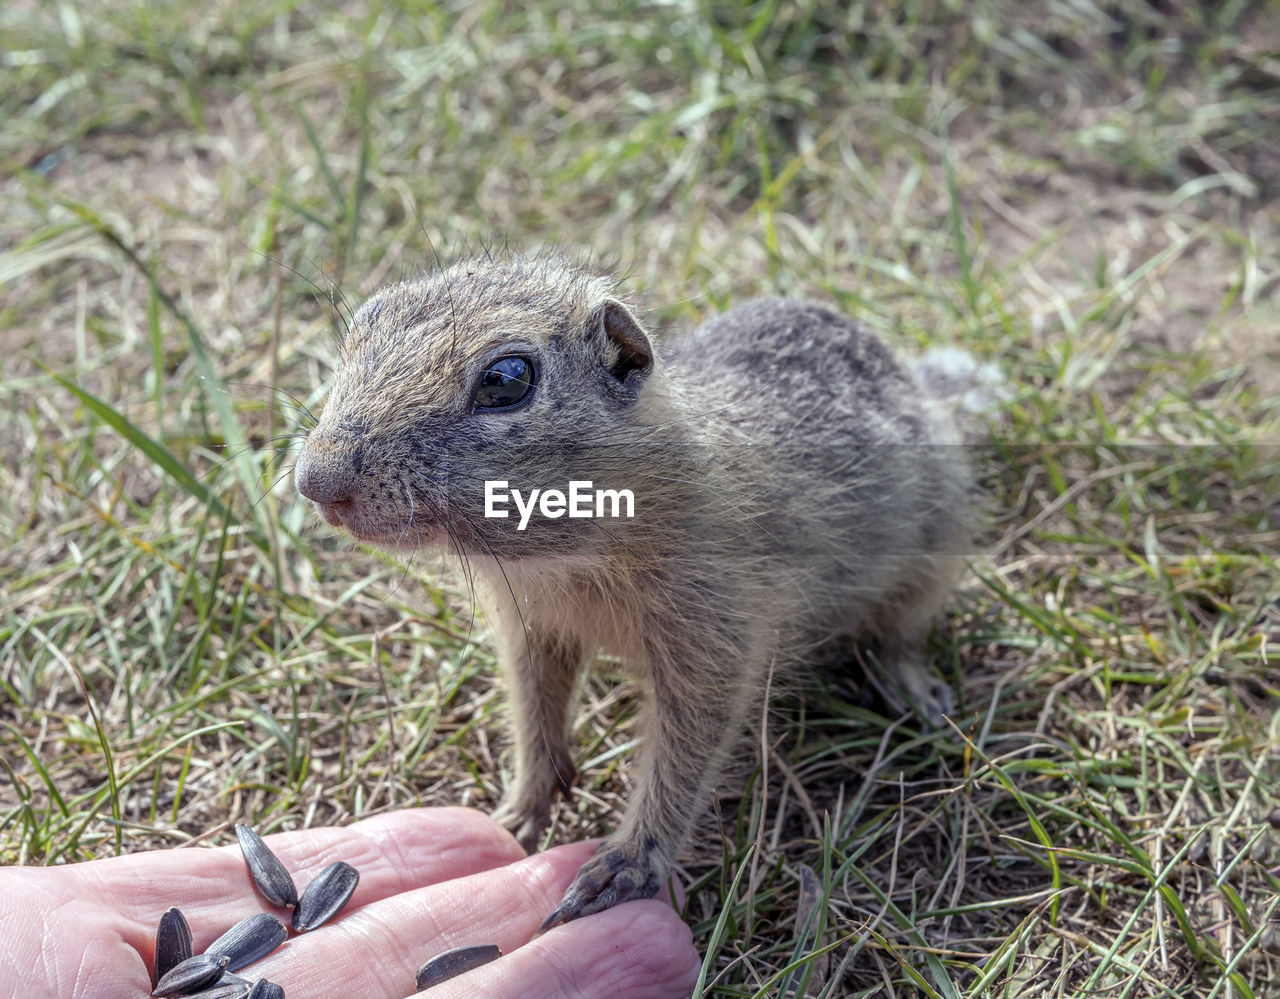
[{"x": 791, "y": 484}]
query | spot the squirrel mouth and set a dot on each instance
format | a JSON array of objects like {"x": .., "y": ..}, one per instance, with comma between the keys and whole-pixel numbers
[
  {"x": 339, "y": 514},
  {"x": 347, "y": 515}
]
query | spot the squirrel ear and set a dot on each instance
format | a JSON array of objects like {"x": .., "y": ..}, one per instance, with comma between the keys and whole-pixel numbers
[{"x": 629, "y": 350}]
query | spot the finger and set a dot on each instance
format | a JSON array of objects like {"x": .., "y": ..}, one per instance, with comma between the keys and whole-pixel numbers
[
  {"x": 54, "y": 944},
  {"x": 638, "y": 950},
  {"x": 375, "y": 952},
  {"x": 393, "y": 853}
]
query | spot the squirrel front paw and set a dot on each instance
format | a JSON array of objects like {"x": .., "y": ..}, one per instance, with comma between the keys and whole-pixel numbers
[
  {"x": 617, "y": 872},
  {"x": 525, "y": 810},
  {"x": 525, "y": 820}
]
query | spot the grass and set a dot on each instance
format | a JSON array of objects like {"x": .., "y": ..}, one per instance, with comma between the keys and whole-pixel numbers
[{"x": 1084, "y": 193}]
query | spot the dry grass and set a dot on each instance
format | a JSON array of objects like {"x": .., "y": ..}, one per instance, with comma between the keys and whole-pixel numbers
[{"x": 1084, "y": 193}]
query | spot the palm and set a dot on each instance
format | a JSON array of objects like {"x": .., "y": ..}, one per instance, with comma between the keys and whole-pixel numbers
[{"x": 430, "y": 880}]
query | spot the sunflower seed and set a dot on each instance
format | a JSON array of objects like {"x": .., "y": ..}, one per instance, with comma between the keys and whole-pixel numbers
[
  {"x": 223, "y": 990},
  {"x": 173, "y": 943},
  {"x": 454, "y": 962},
  {"x": 269, "y": 875},
  {"x": 192, "y": 975},
  {"x": 263, "y": 989},
  {"x": 249, "y": 940},
  {"x": 325, "y": 896}
]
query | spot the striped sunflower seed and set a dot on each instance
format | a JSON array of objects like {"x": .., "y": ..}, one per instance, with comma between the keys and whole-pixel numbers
[
  {"x": 268, "y": 873},
  {"x": 173, "y": 943},
  {"x": 249, "y": 940},
  {"x": 325, "y": 896},
  {"x": 225, "y": 989},
  {"x": 455, "y": 962},
  {"x": 192, "y": 975},
  {"x": 263, "y": 989}
]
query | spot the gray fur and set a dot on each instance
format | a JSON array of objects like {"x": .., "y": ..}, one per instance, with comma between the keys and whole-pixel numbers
[{"x": 794, "y": 483}]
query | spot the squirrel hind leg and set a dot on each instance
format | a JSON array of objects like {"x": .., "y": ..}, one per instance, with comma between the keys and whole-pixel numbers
[
  {"x": 891, "y": 677},
  {"x": 897, "y": 666},
  {"x": 908, "y": 682}
]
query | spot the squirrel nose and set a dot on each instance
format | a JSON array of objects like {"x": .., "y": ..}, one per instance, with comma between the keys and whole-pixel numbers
[{"x": 328, "y": 475}]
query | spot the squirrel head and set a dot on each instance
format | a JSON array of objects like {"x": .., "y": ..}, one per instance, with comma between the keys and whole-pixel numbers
[{"x": 526, "y": 370}]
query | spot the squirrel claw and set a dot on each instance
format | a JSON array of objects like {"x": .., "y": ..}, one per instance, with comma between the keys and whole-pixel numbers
[
  {"x": 560, "y": 915},
  {"x": 614, "y": 874}
]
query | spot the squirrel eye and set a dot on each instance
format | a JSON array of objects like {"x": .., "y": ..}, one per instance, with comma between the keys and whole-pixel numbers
[{"x": 507, "y": 382}]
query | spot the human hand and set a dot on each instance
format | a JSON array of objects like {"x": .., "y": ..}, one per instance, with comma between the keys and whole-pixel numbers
[{"x": 430, "y": 880}]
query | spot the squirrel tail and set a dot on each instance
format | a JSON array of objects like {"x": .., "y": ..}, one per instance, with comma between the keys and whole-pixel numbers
[{"x": 960, "y": 381}]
